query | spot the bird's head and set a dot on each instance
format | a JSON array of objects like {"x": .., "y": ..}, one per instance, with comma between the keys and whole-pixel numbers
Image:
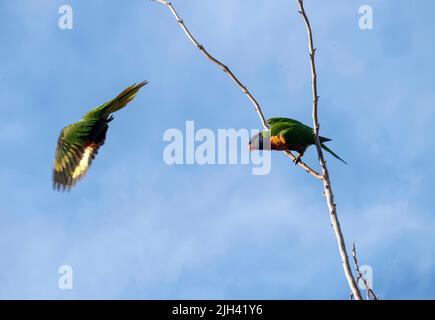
[{"x": 259, "y": 141}]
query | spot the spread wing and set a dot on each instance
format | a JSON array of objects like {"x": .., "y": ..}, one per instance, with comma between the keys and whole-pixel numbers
[
  {"x": 79, "y": 142},
  {"x": 76, "y": 148}
]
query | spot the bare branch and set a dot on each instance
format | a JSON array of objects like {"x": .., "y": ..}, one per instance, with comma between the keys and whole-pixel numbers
[
  {"x": 370, "y": 293},
  {"x": 327, "y": 189},
  {"x": 236, "y": 81}
]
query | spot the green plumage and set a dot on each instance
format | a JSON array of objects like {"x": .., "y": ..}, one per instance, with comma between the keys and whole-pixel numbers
[
  {"x": 290, "y": 134},
  {"x": 79, "y": 142},
  {"x": 294, "y": 132}
]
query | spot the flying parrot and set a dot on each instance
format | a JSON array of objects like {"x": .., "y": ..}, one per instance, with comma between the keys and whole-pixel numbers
[
  {"x": 79, "y": 142},
  {"x": 287, "y": 134}
]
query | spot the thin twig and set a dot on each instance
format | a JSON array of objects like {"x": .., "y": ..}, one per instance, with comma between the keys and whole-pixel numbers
[
  {"x": 236, "y": 81},
  {"x": 327, "y": 189},
  {"x": 370, "y": 293}
]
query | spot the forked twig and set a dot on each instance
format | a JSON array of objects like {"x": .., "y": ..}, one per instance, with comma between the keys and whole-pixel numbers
[
  {"x": 327, "y": 189},
  {"x": 236, "y": 81},
  {"x": 369, "y": 290}
]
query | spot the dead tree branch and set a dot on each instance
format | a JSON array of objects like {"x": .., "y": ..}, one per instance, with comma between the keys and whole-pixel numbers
[
  {"x": 327, "y": 189},
  {"x": 236, "y": 81},
  {"x": 324, "y": 176},
  {"x": 370, "y": 293}
]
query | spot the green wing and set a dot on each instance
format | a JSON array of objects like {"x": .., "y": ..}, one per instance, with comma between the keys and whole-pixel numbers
[
  {"x": 293, "y": 131},
  {"x": 117, "y": 103},
  {"x": 74, "y": 153},
  {"x": 295, "y": 134},
  {"x": 273, "y": 121},
  {"x": 79, "y": 142}
]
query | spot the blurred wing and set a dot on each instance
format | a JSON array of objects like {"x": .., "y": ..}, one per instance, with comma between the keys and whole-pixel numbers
[
  {"x": 119, "y": 102},
  {"x": 79, "y": 143},
  {"x": 74, "y": 153}
]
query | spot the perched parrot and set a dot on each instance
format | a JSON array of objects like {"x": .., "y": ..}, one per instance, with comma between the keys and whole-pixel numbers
[
  {"x": 79, "y": 142},
  {"x": 288, "y": 134}
]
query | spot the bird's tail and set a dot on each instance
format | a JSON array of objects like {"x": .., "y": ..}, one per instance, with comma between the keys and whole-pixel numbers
[
  {"x": 332, "y": 152},
  {"x": 123, "y": 98}
]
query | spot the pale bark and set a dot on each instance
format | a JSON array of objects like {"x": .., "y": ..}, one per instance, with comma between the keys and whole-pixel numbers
[
  {"x": 327, "y": 188},
  {"x": 370, "y": 293},
  {"x": 236, "y": 81},
  {"x": 324, "y": 175}
]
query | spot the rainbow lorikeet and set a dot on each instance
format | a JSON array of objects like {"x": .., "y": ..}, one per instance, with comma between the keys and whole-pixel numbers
[
  {"x": 287, "y": 134},
  {"x": 79, "y": 142}
]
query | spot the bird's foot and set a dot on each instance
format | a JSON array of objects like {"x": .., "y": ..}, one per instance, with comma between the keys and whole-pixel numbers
[{"x": 297, "y": 160}]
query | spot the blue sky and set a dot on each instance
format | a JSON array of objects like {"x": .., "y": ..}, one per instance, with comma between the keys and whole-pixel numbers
[{"x": 136, "y": 228}]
